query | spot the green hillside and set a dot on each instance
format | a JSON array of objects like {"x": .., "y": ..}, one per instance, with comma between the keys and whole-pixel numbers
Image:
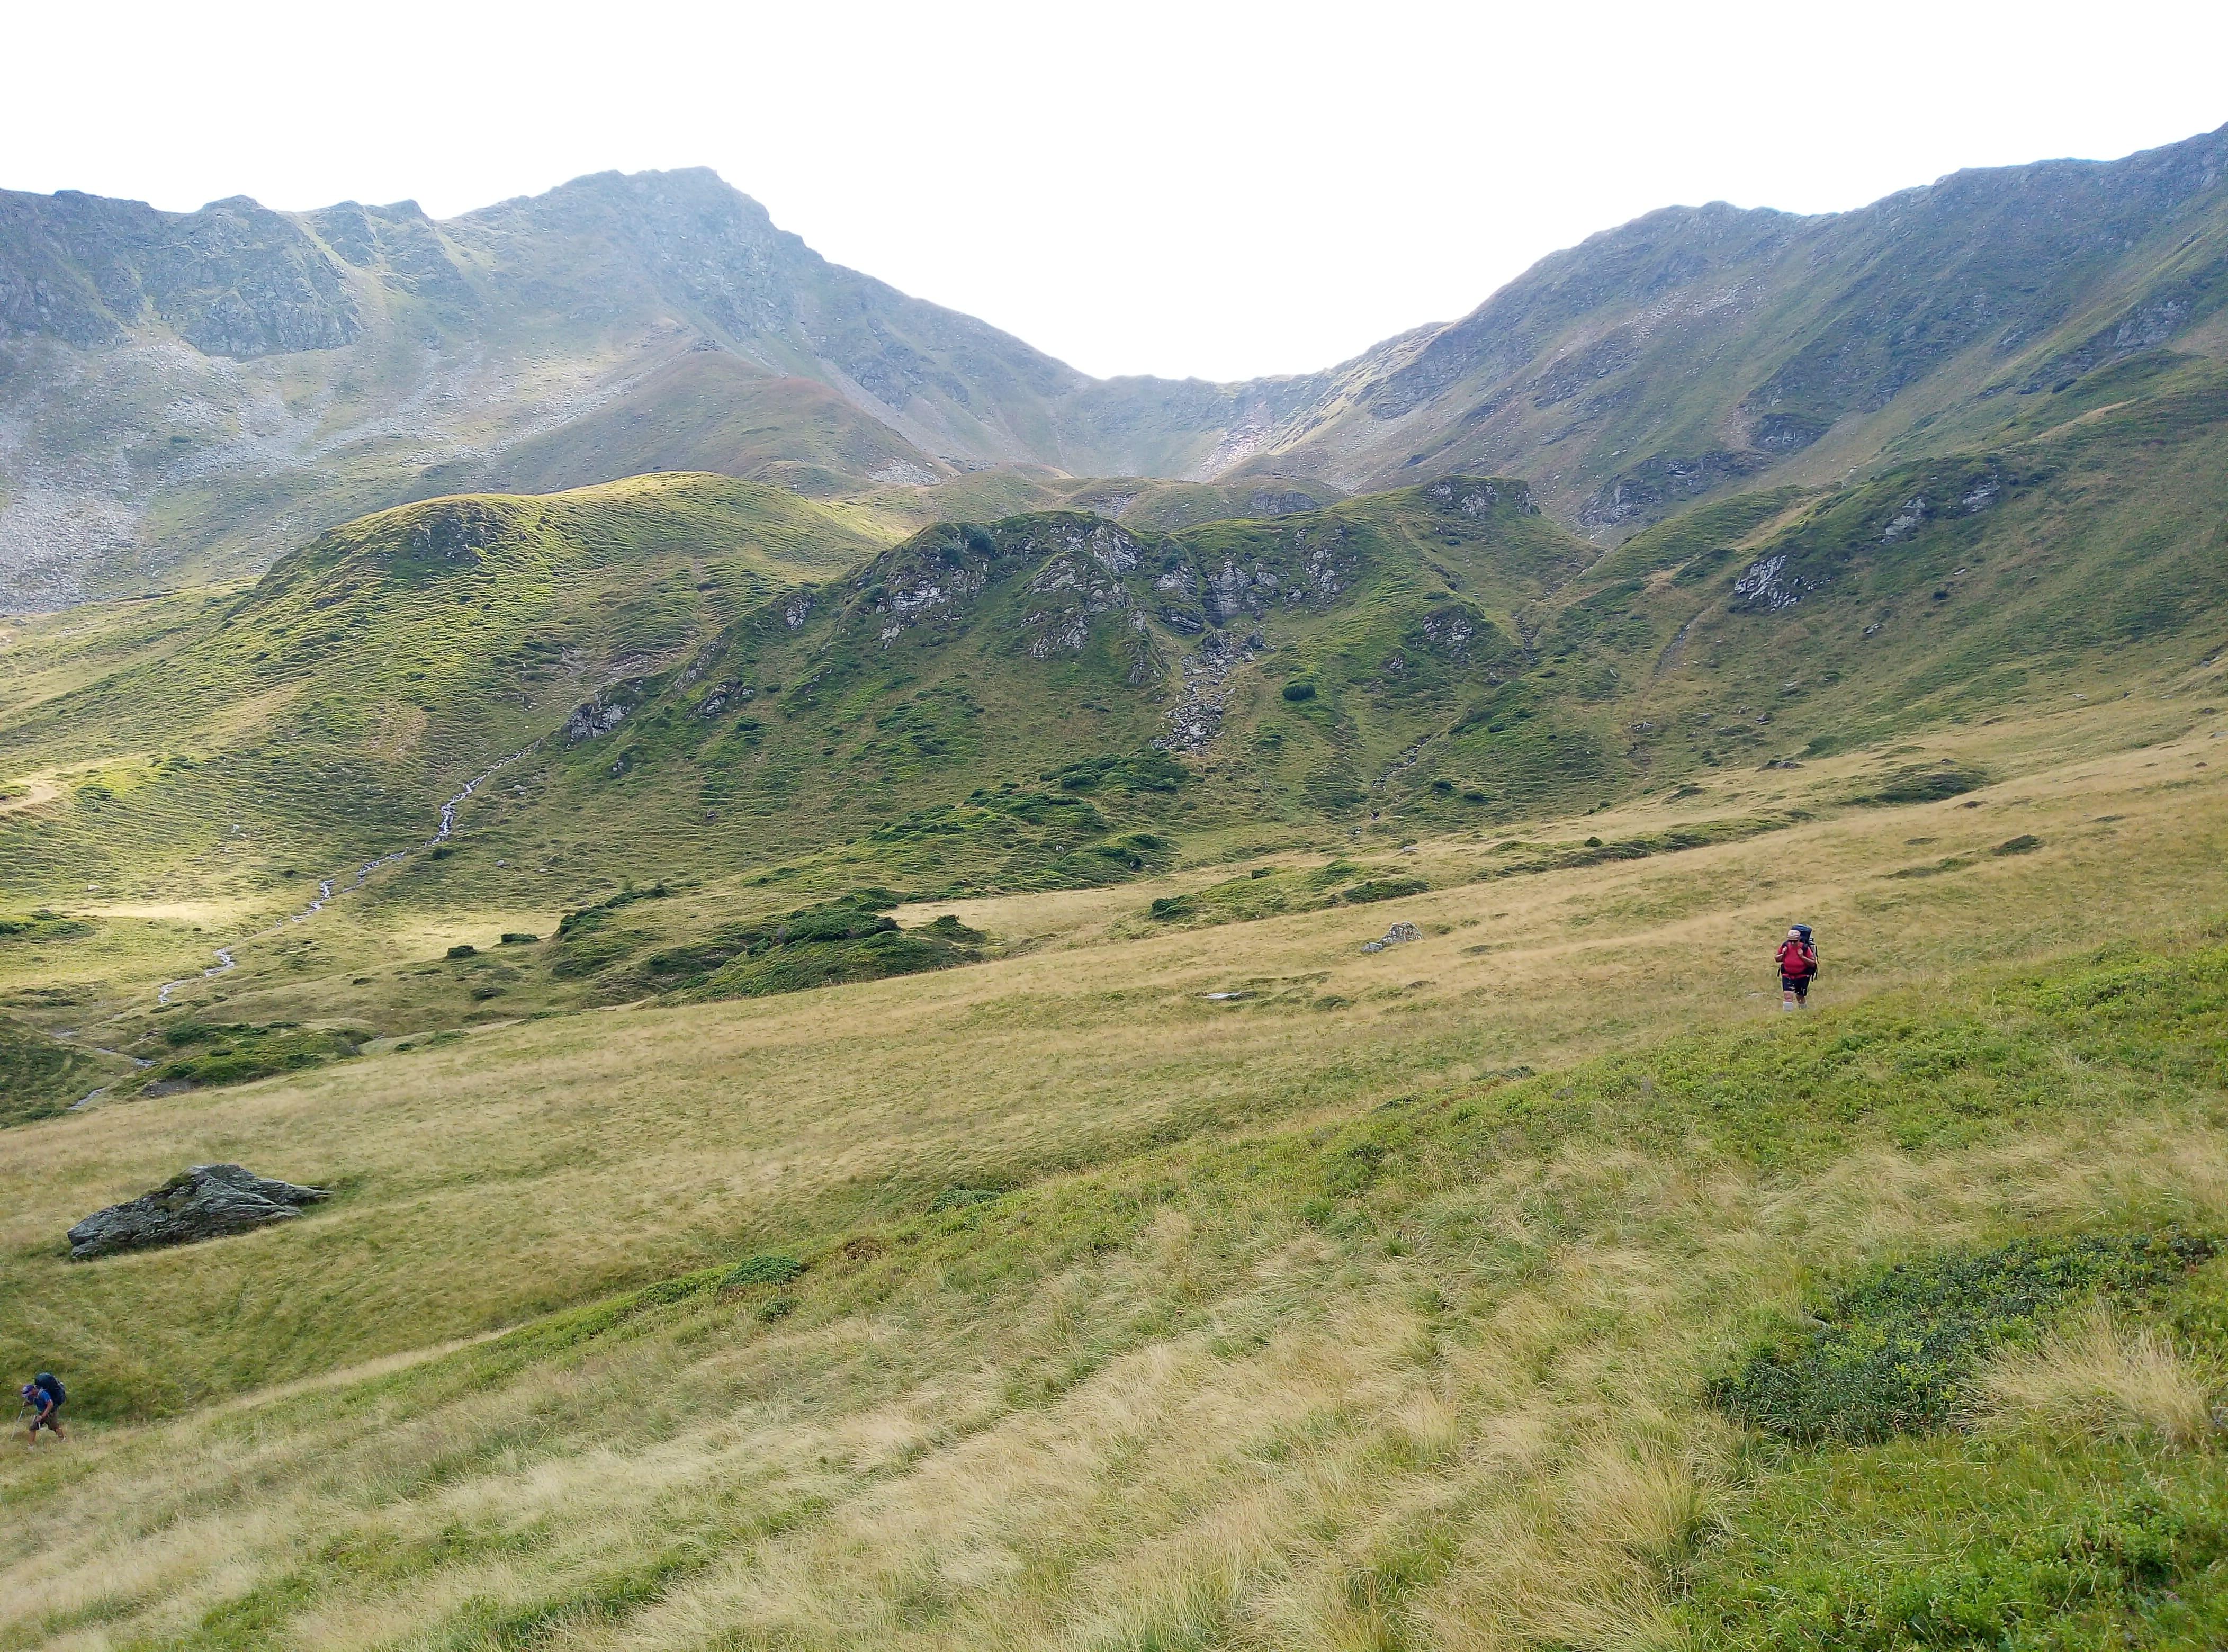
[
  {"x": 965, "y": 1007},
  {"x": 1444, "y": 656},
  {"x": 1057, "y": 1083},
  {"x": 724, "y": 690},
  {"x": 1054, "y": 657},
  {"x": 262, "y": 739}
]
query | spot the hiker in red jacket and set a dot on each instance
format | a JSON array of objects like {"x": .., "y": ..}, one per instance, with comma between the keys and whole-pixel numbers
[{"x": 1798, "y": 962}]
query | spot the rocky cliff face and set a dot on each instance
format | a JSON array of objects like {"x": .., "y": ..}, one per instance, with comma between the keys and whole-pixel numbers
[{"x": 232, "y": 280}]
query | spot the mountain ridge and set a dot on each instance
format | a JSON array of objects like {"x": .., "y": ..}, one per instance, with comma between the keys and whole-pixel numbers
[{"x": 184, "y": 395}]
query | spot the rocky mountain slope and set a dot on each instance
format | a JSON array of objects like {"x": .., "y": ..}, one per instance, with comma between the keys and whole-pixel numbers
[
  {"x": 1423, "y": 660},
  {"x": 189, "y": 393},
  {"x": 1695, "y": 347},
  {"x": 717, "y": 678}
]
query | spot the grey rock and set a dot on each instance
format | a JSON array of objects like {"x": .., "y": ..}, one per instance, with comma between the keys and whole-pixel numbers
[
  {"x": 1398, "y": 935},
  {"x": 598, "y": 716},
  {"x": 202, "y": 1202},
  {"x": 1658, "y": 482},
  {"x": 1906, "y": 521},
  {"x": 1768, "y": 586}
]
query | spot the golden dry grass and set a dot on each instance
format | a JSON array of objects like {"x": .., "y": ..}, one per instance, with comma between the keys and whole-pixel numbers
[
  {"x": 2093, "y": 1375},
  {"x": 1222, "y": 1429},
  {"x": 532, "y": 1165},
  {"x": 1329, "y": 1460}
]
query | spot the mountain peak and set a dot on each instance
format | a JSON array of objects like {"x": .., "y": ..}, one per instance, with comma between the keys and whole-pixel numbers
[{"x": 1654, "y": 362}]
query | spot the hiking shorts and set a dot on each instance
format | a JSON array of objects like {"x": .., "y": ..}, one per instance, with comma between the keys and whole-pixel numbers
[
  {"x": 46, "y": 1418},
  {"x": 1797, "y": 985}
]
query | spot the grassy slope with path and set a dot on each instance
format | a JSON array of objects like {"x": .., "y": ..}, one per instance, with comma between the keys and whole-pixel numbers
[{"x": 1306, "y": 1324}]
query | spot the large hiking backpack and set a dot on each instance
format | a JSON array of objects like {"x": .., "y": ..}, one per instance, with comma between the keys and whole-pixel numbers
[{"x": 52, "y": 1384}]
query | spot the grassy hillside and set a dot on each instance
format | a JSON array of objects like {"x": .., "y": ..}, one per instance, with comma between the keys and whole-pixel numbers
[
  {"x": 854, "y": 1142},
  {"x": 1435, "y": 659},
  {"x": 1405, "y": 1298},
  {"x": 967, "y": 680},
  {"x": 244, "y": 744},
  {"x": 726, "y": 690},
  {"x": 926, "y": 1056}
]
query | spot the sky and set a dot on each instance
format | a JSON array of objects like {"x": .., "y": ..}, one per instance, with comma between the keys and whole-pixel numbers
[{"x": 1212, "y": 189}]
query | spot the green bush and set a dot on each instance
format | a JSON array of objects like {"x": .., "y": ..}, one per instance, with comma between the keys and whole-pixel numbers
[
  {"x": 1384, "y": 889},
  {"x": 591, "y": 917},
  {"x": 43, "y": 926},
  {"x": 1149, "y": 770},
  {"x": 237, "y": 1053},
  {"x": 1891, "y": 1353},
  {"x": 814, "y": 946},
  {"x": 766, "y": 1268},
  {"x": 960, "y": 1198},
  {"x": 1910, "y": 785},
  {"x": 1299, "y": 691}
]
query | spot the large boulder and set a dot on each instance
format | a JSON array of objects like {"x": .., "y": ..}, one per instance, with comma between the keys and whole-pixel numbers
[{"x": 199, "y": 1203}]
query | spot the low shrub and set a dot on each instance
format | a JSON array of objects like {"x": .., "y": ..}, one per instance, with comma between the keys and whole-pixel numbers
[
  {"x": 766, "y": 1268},
  {"x": 1915, "y": 784},
  {"x": 1893, "y": 1352},
  {"x": 960, "y": 1198},
  {"x": 2073, "y": 1563},
  {"x": 238, "y": 1053},
  {"x": 1384, "y": 889}
]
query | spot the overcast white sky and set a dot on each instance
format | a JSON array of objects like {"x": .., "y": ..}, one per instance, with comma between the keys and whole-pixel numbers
[{"x": 1223, "y": 189}]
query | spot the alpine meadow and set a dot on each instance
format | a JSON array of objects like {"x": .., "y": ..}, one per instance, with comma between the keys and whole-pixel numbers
[{"x": 850, "y": 990}]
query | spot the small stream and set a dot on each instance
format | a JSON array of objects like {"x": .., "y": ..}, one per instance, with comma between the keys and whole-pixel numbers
[
  {"x": 69, "y": 1036},
  {"x": 226, "y": 962}
]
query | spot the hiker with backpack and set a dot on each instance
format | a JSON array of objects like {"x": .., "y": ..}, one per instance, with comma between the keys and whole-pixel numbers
[
  {"x": 44, "y": 1395},
  {"x": 1798, "y": 962}
]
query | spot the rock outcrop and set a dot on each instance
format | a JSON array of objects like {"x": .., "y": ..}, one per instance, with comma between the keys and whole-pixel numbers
[
  {"x": 202, "y": 1202},
  {"x": 1398, "y": 935}
]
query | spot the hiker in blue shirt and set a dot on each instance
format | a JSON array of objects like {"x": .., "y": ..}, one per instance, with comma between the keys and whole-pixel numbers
[{"x": 43, "y": 1395}]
